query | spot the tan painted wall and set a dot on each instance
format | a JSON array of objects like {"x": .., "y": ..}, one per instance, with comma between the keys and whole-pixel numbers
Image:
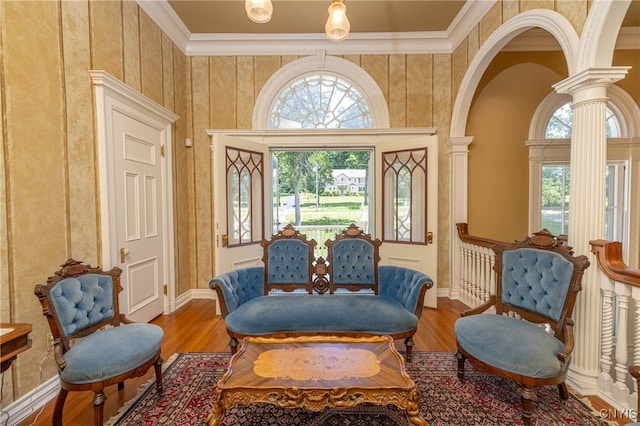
[
  {"x": 498, "y": 157},
  {"x": 50, "y": 193},
  {"x": 506, "y": 98}
]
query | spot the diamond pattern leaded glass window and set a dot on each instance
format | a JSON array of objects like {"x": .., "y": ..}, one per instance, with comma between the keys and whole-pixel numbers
[
  {"x": 244, "y": 195},
  {"x": 320, "y": 101},
  {"x": 404, "y": 177}
]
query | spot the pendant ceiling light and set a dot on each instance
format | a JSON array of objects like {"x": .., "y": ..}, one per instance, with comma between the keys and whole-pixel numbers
[
  {"x": 259, "y": 10},
  {"x": 337, "y": 26}
]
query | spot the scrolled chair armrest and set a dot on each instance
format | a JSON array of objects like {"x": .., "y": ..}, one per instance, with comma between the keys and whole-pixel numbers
[
  {"x": 237, "y": 287},
  {"x": 480, "y": 309},
  {"x": 565, "y": 352},
  {"x": 125, "y": 320},
  {"x": 404, "y": 285},
  {"x": 635, "y": 371}
]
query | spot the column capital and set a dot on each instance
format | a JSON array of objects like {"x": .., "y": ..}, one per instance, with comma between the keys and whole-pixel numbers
[
  {"x": 459, "y": 143},
  {"x": 591, "y": 78}
]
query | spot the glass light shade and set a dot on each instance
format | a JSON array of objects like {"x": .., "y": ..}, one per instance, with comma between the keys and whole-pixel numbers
[
  {"x": 337, "y": 26},
  {"x": 259, "y": 10}
]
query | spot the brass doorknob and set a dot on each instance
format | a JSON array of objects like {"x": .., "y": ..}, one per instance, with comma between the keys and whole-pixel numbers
[{"x": 123, "y": 253}]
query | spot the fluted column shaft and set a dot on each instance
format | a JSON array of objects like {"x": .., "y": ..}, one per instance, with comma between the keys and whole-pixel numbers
[{"x": 587, "y": 210}]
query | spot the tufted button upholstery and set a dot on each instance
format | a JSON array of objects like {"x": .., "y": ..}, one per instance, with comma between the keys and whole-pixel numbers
[
  {"x": 536, "y": 280},
  {"x": 288, "y": 262},
  {"x": 240, "y": 286},
  {"x": 83, "y": 301},
  {"x": 402, "y": 284},
  {"x": 353, "y": 262},
  {"x": 95, "y": 345}
]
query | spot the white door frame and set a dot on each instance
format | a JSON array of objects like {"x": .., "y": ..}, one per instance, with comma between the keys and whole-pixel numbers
[
  {"x": 114, "y": 95},
  {"x": 336, "y": 139}
]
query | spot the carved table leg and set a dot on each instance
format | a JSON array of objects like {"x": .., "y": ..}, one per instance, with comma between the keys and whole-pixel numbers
[
  {"x": 413, "y": 412},
  {"x": 217, "y": 412}
]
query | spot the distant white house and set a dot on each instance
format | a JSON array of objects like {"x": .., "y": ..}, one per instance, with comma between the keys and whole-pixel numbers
[{"x": 348, "y": 181}]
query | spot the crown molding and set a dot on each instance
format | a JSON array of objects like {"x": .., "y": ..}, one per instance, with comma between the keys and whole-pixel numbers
[
  {"x": 308, "y": 44},
  {"x": 168, "y": 20},
  {"x": 199, "y": 44},
  {"x": 470, "y": 16},
  {"x": 225, "y": 44}
]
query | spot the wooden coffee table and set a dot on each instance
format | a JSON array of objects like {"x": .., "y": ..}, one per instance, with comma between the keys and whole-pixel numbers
[{"x": 316, "y": 372}]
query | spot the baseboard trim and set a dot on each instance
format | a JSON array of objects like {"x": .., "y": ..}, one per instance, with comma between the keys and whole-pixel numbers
[
  {"x": 33, "y": 401},
  {"x": 30, "y": 403},
  {"x": 443, "y": 292},
  {"x": 198, "y": 293}
]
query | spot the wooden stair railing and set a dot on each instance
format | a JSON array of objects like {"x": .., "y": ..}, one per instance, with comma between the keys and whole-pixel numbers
[
  {"x": 620, "y": 322},
  {"x": 609, "y": 255},
  {"x": 463, "y": 233}
]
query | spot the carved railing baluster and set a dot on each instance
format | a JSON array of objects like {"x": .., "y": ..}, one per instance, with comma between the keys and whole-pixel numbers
[
  {"x": 605, "y": 379},
  {"x": 620, "y": 326},
  {"x": 620, "y": 387}
]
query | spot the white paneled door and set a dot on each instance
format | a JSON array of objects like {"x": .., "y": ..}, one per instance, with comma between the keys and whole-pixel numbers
[{"x": 139, "y": 215}]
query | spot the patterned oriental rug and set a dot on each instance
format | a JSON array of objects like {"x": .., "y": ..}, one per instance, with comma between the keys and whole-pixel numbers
[{"x": 482, "y": 399}]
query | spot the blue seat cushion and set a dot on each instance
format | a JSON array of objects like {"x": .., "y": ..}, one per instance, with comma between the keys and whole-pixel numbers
[
  {"x": 510, "y": 344},
  {"x": 295, "y": 313},
  {"x": 110, "y": 352}
]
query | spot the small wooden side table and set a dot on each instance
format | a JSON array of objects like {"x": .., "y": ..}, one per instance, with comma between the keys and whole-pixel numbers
[{"x": 13, "y": 340}]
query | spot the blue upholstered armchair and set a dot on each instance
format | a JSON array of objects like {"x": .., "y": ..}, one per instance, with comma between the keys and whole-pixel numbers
[
  {"x": 94, "y": 345},
  {"x": 529, "y": 339}
]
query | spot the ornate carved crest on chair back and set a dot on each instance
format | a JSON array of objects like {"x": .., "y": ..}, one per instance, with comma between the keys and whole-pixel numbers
[
  {"x": 538, "y": 279},
  {"x": 78, "y": 300},
  {"x": 353, "y": 261},
  {"x": 288, "y": 260}
]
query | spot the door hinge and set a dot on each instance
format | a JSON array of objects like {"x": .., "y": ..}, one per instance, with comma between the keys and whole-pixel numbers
[
  {"x": 164, "y": 289},
  {"x": 162, "y": 150}
]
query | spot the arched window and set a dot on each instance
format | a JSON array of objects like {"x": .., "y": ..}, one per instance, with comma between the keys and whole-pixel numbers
[
  {"x": 320, "y": 101},
  {"x": 313, "y": 94},
  {"x": 549, "y": 156},
  {"x": 560, "y": 124},
  {"x": 320, "y": 92}
]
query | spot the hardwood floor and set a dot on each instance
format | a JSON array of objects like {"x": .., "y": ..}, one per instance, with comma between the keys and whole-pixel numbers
[{"x": 195, "y": 328}]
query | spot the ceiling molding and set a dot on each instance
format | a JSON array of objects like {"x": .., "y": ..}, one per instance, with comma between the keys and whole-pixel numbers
[
  {"x": 307, "y": 44},
  {"x": 209, "y": 44},
  {"x": 470, "y": 16},
  {"x": 167, "y": 19},
  {"x": 197, "y": 44}
]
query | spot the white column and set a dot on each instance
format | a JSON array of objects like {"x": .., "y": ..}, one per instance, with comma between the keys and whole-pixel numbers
[
  {"x": 586, "y": 210},
  {"x": 458, "y": 196}
]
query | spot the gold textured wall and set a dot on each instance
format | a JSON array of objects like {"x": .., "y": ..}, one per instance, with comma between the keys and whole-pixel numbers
[
  {"x": 50, "y": 194},
  {"x": 224, "y": 90},
  {"x": 48, "y": 165}
]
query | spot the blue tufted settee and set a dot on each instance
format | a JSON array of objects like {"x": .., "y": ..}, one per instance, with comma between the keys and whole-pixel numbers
[{"x": 347, "y": 294}]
